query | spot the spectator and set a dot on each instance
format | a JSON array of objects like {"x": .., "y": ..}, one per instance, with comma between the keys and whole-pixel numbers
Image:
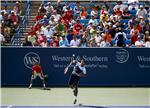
[
  {"x": 42, "y": 10},
  {"x": 147, "y": 44},
  {"x": 83, "y": 13},
  {"x": 134, "y": 34},
  {"x": 49, "y": 9},
  {"x": 93, "y": 21},
  {"x": 83, "y": 42},
  {"x": 141, "y": 12},
  {"x": 17, "y": 9},
  {"x": 139, "y": 43},
  {"x": 39, "y": 16},
  {"x": 56, "y": 16},
  {"x": 77, "y": 27},
  {"x": 66, "y": 6},
  {"x": 98, "y": 39},
  {"x": 63, "y": 42},
  {"x": 126, "y": 14},
  {"x": 131, "y": 23},
  {"x": 120, "y": 37},
  {"x": 52, "y": 22},
  {"x": 133, "y": 6},
  {"x": 146, "y": 36},
  {"x": 54, "y": 42},
  {"x": 77, "y": 8},
  {"x": 2, "y": 39},
  {"x": 94, "y": 12},
  {"x": 31, "y": 38},
  {"x": 104, "y": 43},
  {"x": 48, "y": 32},
  {"x": 27, "y": 43},
  {"x": 69, "y": 36},
  {"x": 74, "y": 42}
]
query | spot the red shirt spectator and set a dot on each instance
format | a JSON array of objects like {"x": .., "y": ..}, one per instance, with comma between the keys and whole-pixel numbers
[
  {"x": 78, "y": 26},
  {"x": 118, "y": 12},
  {"x": 39, "y": 16}
]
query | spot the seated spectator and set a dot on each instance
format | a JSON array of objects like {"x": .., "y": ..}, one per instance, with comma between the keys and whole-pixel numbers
[
  {"x": 134, "y": 34},
  {"x": 120, "y": 37},
  {"x": 42, "y": 10},
  {"x": 118, "y": 12},
  {"x": 104, "y": 43},
  {"x": 98, "y": 39},
  {"x": 17, "y": 9},
  {"x": 66, "y": 6},
  {"x": 27, "y": 43},
  {"x": 94, "y": 12},
  {"x": 49, "y": 9},
  {"x": 141, "y": 12},
  {"x": 31, "y": 38},
  {"x": 56, "y": 15},
  {"x": 108, "y": 36},
  {"x": 14, "y": 18},
  {"x": 44, "y": 21},
  {"x": 60, "y": 27},
  {"x": 83, "y": 42},
  {"x": 131, "y": 23},
  {"x": 77, "y": 8},
  {"x": 2, "y": 39},
  {"x": 48, "y": 32},
  {"x": 39, "y": 16},
  {"x": 139, "y": 43},
  {"x": 146, "y": 36},
  {"x": 77, "y": 27},
  {"x": 74, "y": 42},
  {"x": 83, "y": 13},
  {"x": 69, "y": 35},
  {"x": 126, "y": 14},
  {"x": 147, "y": 44},
  {"x": 63, "y": 42},
  {"x": 146, "y": 27},
  {"x": 41, "y": 39},
  {"x": 133, "y": 6},
  {"x": 54, "y": 42},
  {"x": 93, "y": 20},
  {"x": 52, "y": 22}
]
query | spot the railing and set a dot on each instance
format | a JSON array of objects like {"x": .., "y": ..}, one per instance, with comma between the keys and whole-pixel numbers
[{"x": 20, "y": 30}]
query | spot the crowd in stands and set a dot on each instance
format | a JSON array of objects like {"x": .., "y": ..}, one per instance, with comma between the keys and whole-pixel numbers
[
  {"x": 10, "y": 19},
  {"x": 118, "y": 24}
]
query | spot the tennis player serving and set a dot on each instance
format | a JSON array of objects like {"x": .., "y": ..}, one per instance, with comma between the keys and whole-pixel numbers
[{"x": 78, "y": 72}]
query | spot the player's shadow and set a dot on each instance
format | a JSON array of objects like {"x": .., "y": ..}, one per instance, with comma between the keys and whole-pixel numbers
[
  {"x": 42, "y": 88},
  {"x": 91, "y": 106}
]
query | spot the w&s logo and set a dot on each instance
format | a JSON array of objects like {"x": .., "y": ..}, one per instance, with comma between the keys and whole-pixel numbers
[{"x": 30, "y": 59}]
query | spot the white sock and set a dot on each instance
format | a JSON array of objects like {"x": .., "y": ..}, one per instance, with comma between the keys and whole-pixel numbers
[
  {"x": 75, "y": 97},
  {"x": 44, "y": 85}
]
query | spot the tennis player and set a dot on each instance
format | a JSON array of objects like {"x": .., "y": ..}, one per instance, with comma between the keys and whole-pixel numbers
[
  {"x": 37, "y": 71},
  {"x": 78, "y": 72}
]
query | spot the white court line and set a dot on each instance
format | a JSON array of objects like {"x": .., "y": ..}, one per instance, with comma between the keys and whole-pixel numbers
[{"x": 9, "y": 106}]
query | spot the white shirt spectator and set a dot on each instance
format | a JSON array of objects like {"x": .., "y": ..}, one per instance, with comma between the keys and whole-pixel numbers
[
  {"x": 141, "y": 12},
  {"x": 139, "y": 43},
  {"x": 135, "y": 6},
  {"x": 74, "y": 43},
  {"x": 147, "y": 44},
  {"x": 93, "y": 21},
  {"x": 104, "y": 44},
  {"x": 2, "y": 39},
  {"x": 48, "y": 32}
]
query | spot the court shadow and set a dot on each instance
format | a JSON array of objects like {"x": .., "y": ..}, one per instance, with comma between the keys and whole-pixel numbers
[
  {"x": 91, "y": 106},
  {"x": 42, "y": 88}
]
